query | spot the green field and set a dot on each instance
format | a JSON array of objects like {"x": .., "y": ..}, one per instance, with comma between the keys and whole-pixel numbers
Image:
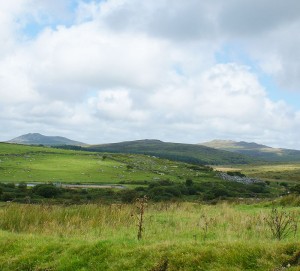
[
  {"x": 19, "y": 163},
  {"x": 187, "y": 236}
]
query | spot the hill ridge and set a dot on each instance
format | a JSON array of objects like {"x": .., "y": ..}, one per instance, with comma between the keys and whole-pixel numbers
[
  {"x": 174, "y": 151},
  {"x": 254, "y": 149},
  {"x": 39, "y": 139}
]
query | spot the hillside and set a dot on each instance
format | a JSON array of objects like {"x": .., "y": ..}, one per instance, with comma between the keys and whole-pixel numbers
[
  {"x": 175, "y": 151},
  {"x": 252, "y": 149},
  {"x": 38, "y": 139},
  {"x": 159, "y": 179},
  {"x": 43, "y": 164}
]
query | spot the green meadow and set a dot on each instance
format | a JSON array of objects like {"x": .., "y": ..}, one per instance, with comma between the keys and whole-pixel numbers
[
  {"x": 176, "y": 236},
  {"x": 19, "y": 163}
]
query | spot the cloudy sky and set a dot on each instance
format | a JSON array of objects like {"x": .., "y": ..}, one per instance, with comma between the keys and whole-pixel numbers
[{"x": 182, "y": 71}]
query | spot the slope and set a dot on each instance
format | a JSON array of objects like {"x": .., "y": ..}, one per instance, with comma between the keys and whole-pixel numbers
[
  {"x": 255, "y": 150},
  {"x": 174, "y": 151},
  {"x": 20, "y": 163}
]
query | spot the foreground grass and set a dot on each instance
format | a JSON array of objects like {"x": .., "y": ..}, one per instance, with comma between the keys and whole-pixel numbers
[
  {"x": 25, "y": 252},
  {"x": 103, "y": 237}
]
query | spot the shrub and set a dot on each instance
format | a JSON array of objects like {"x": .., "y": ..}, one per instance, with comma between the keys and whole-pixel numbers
[
  {"x": 22, "y": 187},
  {"x": 281, "y": 223},
  {"x": 129, "y": 167},
  {"x": 10, "y": 185},
  {"x": 173, "y": 190},
  {"x": 236, "y": 173},
  {"x": 129, "y": 196},
  {"x": 221, "y": 192},
  {"x": 159, "y": 183},
  {"x": 289, "y": 200},
  {"x": 46, "y": 190},
  {"x": 258, "y": 188},
  {"x": 296, "y": 189},
  {"x": 192, "y": 190},
  {"x": 189, "y": 182},
  {"x": 140, "y": 189},
  {"x": 8, "y": 196}
]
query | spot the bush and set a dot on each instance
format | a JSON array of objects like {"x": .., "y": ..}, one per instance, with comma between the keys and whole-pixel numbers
[
  {"x": 296, "y": 189},
  {"x": 158, "y": 193},
  {"x": 173, "y": 190},
  {"x": 22, "y": 187},
  {"x": 8, "y": 196},
  {"x": 236, "y": 173},
  {"x": 129, "y": 196},
  {"x": 282, "y": 223},
  {"x": 189, "y": 182},
  {"x": 289, "y": 200},
  {"x": 192, "y": 191},
  {"x": 258, "y": 188},
  {"x": 46, "y": 190},
  {"x": 10, "y": 185},
  {"x": 221, "y": 192},
  {"x": 140, "y": 189},
  {"x": 129, "y": 167},
  {"x": 165, "y": 182}
]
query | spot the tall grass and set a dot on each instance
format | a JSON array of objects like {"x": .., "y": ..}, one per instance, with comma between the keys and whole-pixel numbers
[
  {"x": 163, "y": 221},
  {"x": 186, "y": 236}
]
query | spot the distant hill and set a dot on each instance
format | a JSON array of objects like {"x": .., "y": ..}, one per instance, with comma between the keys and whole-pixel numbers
[
  {"x": 255, "y": 150},
  {"x": 191, "y": 153},
  {"x": 38, "y": 139}
]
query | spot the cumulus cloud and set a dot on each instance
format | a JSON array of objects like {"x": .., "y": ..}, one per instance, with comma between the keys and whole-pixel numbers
[
  {"x": 116, "y": 104},
  {"x": 105, "y": 71}
]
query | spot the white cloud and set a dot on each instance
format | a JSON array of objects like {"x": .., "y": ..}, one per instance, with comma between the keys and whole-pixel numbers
[
  {"x": 227, "y": 97},
  {"x": 278, "y": 55},
  {"x": 88, "y": 56},
  {"x": 142, "y": 69},
  {"x": 116, "y": 104}
]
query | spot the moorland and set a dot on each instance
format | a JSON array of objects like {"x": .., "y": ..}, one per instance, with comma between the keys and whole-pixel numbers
[{"x": 191, "y": 219}]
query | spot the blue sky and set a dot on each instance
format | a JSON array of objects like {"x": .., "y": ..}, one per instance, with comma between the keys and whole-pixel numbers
[{"x": 114, "y": 70}]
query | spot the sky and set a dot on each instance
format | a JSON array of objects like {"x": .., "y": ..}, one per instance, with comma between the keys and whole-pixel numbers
[{"x": 179, "y": 71}]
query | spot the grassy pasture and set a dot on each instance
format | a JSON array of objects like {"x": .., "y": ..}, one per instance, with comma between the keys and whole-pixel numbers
[
  {"x": 103, "y": 237},
  {"x": 20, "y": 163}
]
